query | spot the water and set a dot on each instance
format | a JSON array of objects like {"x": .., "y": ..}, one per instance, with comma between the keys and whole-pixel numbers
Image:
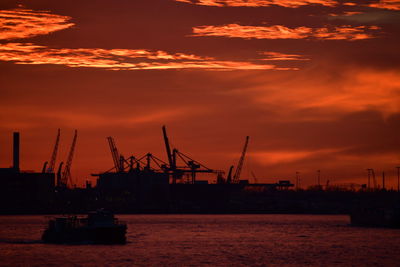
[{"x": 209, "y": 240}]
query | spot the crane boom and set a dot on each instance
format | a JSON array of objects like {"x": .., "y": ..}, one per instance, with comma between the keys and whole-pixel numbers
[
  {"x": 236, "y": 177},
  {"x": 50, "y": 168},
  {"x": 118, "y": 164},
  {"x": 59, "y": 174},
  {"x": 66, "y": 176},
  {"x": 168, "y": 148},
  {"x": 229, "y": 176}
]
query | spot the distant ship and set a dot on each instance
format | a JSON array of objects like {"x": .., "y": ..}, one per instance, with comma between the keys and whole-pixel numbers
[{"x": 98, "y": 227}]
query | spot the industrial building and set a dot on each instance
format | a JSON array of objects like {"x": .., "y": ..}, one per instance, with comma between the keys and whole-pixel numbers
[{"x": 28, "y": 192}]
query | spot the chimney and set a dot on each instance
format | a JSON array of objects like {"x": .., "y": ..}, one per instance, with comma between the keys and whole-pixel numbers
[{"x": 16, "y": 151}]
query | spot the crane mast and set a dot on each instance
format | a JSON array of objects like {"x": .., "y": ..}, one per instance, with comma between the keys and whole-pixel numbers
[
  {"x": 117, "y": 158},
  {"x": 236, "y": 177},
  {"x": 59, "y": 174},
  {"x": 229, "y": 176},
  {"x": 167, "y": 147},
  {"x": 50, "y": 168},
  {"x": 171, "y": 156},
  {"x": 66, "y": 176}
]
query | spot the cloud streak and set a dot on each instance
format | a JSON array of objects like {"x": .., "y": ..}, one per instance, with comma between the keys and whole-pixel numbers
[
  {"x": 120, "y": 59},
  {"x": 275, "y": 56},
  {"x": 282, "y": 32},
  {"x": 260, "y": 3},
  {"x": 357, "y": 90},
  {"x": 288, "y": 156},
  {"x": 381, "y": 4},
  {"x": 25, "y": 23},
  {"x": 386, "y": 4}
]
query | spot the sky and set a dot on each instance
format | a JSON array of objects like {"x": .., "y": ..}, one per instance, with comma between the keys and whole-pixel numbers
[{"x": 314, "y": 83}]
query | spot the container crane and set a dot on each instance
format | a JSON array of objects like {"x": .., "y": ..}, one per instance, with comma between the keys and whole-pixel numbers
[
  {"x": 52, "y": 162},
  {"x": 66, "y": 175},
  {"x": 236, "y": 177},
  {"x": 59, "y": 174},
  {"x": 167, "y": 147},
  {"x": 229, "y": 176},
  {"x": 190, "y": 167},
  {"x": 171, "y": 156},
  {"x": 117, "y": 158}
]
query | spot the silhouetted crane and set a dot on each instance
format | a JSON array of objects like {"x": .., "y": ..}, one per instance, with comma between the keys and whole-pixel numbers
[
  {"x": 167, "y": 146},
  {"x": 66, "y": 175},
  {"x": 229, "y": 176},
  {"x": 171, "y": 156},
  {"x": 59, "y": 174},
  {"x": 190, "y": 166},
  {"x": 50, "y": 168},
  {"x": 117, "y": 158},
  {"x": 236, "y": 177}
]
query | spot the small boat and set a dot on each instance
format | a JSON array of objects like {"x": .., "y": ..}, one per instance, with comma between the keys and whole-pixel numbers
[{"x": 99, "y": 227}]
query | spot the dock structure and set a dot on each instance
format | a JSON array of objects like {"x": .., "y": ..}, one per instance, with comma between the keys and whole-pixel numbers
[{"x": 132, "y": 184}]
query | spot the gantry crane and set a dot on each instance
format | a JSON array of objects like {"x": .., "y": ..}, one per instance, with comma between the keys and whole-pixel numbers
[
  {"x": 187, "y": 164},
  {"x": 59, "y": 174},
  {"x": 118, "y": 158},
  {"x": 236, "y": 177},
  {"x": 229, "y": 176},
  {"x": 171, "y": 156},
  {"x": 50, "y": 168},
  {"x": 191, "y": 166},
  {"x": 66, "y": 175}
]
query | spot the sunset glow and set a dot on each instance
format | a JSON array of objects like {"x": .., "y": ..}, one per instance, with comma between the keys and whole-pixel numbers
[
  {"x": 282, "y": 32},
  {"x": 387, "y": 4},
  {"x": 119, "y": 59},
  {"x": 314, "y": 83},
  {"x": 24, "y": 23},
  {"x": 260, "y": 3}
]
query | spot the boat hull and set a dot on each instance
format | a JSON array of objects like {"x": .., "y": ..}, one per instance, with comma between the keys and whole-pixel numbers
[{"x": 87, "y": 235}]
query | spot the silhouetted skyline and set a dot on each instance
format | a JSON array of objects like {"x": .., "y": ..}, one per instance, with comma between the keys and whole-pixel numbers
[{"x": 315, "y": 84}]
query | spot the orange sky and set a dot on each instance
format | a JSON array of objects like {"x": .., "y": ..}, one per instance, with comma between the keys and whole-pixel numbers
[{"x": 314, "y": 83}]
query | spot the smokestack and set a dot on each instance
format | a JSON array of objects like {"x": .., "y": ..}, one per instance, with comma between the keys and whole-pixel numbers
[{"x": 16, "y": 151}]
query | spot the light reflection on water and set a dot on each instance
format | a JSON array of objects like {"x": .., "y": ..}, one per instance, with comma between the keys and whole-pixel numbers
[{"x": 213, "y": 240}]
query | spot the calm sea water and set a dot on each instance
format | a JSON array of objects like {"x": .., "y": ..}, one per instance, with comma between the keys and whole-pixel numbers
[{"x": 209, "y": 240}]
